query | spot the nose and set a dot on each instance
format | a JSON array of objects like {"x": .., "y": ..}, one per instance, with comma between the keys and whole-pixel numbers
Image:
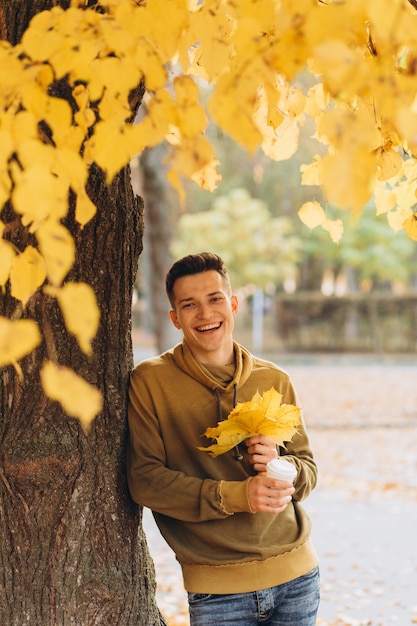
[{"x": 203, "y": 311}]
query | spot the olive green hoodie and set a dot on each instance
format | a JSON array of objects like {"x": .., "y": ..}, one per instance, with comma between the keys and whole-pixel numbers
[{"x": 200, "y": 503}]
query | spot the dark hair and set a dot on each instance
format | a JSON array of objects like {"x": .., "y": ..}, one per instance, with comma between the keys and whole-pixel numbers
[{"x": 195, "y": 264}]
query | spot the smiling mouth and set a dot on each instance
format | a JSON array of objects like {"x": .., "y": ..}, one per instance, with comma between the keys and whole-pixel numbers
[{"x": 208, "y": 327}]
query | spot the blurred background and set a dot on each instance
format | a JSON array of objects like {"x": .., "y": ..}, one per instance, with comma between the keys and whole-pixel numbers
[{"x": 299, "y": 291}]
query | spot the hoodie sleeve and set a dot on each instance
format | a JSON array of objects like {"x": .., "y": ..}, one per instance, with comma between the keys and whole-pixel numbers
[{"x": 164, "y": 490}]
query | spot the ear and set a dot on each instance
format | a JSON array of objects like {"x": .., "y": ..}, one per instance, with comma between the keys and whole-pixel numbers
[
  {"x": 174, "y": 319},
  {"x": 234, "y": 300}
]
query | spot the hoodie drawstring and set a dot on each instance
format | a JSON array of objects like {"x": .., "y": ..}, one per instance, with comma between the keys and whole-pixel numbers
[{"x": 237, "y": 453}]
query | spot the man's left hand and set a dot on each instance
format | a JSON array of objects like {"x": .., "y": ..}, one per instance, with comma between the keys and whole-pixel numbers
[{"x": 261, "y": 450}]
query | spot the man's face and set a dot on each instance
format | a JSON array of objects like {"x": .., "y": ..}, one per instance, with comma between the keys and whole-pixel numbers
[{"x": 205, "y": 312}]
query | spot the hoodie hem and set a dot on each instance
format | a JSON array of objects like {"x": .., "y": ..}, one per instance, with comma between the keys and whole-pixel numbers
[{"x": 251, "y": 575}]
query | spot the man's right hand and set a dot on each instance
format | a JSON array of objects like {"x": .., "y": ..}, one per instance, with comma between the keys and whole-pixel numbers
[{"x": 269, "y": 495}]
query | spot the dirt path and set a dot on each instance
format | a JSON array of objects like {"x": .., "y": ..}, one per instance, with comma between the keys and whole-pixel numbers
[{"x": 359, "y": 413}]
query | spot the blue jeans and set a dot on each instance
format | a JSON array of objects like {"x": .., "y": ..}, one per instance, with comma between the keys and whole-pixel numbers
[{"x": 292, "y": 604}]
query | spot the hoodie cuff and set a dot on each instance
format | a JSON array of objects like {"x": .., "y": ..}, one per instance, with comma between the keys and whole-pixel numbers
[{"x": 234, "y": 496}]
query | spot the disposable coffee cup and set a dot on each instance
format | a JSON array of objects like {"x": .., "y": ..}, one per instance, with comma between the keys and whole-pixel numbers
[{"x": 282, "y": 469}]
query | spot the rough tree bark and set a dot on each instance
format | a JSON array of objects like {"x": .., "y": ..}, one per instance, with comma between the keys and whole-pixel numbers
[{"x": 72, "y": 548}]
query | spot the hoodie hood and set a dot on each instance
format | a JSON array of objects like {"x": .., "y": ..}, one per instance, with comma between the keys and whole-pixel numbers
[{"x": 184, "y": 359}]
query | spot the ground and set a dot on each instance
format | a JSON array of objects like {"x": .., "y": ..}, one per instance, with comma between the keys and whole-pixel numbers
[{"x": 361, "y": 414}]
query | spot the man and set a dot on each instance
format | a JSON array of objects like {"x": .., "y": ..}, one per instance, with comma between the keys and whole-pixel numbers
[{"x": 242, "y": 538}]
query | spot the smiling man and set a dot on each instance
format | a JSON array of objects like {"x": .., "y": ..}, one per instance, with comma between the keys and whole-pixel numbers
[
  {"x": 242, "y": 538},
  {"x": 204, "y": 308}
]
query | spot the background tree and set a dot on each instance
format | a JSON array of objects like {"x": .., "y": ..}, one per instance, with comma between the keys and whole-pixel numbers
[
  {"x": 258, "y": 249},
  {"x": 368, "y": 257},
  {"x": 161, "y": 214}
]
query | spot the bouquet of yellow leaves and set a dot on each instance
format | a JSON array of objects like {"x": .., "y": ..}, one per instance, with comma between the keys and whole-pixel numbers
[{"x": 263, "y": 415}]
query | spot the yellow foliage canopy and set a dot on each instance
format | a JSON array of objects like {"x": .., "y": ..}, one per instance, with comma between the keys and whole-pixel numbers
[
  {"x": 360, "y": 57},
  {"x": 263, "y": 415},
  {"x": 250, "y": 53}
]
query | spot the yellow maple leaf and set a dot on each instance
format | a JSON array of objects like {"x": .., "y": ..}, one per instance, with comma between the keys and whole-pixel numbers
[
  {"x": 263, "y": 414},
  {"x": 334, "y": 228},
  {"x": 156, "y": 124},
  {"x": 208, "y": 63},
  {"x": 17, "y": 339},
  {"x": 208, "y": 177},
  {"x": 385, "y": 200},
  {"x": 33, "y": 151},
  {"x": 311, "y": 172},
  {"x": 7, "y": 254},
  {"x": 128, "y": 76},
  {"x": 85, "y": 119},
  {"x": 271, "y": 96},
  {"x": 78, "y": 61},
  {"x": 41, "y": 40},
  {"x": 85, "y": 209},
  {"x": 212, "y": 30},
  {"x": 24, "y": 127},
  {"x": 338, "y": 64},
  {"x": 347, "y": 177},
  {"x": 58, "y": 116},
  {"x": 77, "y": 397},
  {"x": 389, "y": 162},
  {"x": 58, "y": 249},
  {"x": 193, "y": 159},
  {"x": 406, "y": 124},
  {"x": 77, "y": 57},
  {"x": 233, "y": 112},
  {"x": 166, "y": 22},
  {"x": 317, "y": 100},
  {"x": 191, "y": 119},
  {"x": 39, "y": 193},
  {"x": 398, "y": 217},
  {"x": 27, "y": 274},
  {"x": 12, "y": 70},
  {"x": 70, "y": 166},
  {"x": 79, "y": 307},
  {"x": 111, "y": 146},
  {"x": 6, "y": 141},
  {"x": 5, "y": 186},
  {"x": 192, "y": 155},
  {"x": 406, "y": 192},
  {"x": 61, "y": 38},
  {"x": 410, "y": 226},
  {"x": 150, "y": 65},
  {"x": 56, "y": 112},
  {"x": 281, "y": 143},
  {"x": 312, "y": 214}
]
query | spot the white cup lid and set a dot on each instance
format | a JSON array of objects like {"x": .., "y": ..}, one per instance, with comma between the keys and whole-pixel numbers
[{"x": 280, "y": 468}]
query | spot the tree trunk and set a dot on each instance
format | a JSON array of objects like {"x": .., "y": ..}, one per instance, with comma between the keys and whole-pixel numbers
[
  {"x": 159, "y": 207},
  {"x": 72, "y": 549}
]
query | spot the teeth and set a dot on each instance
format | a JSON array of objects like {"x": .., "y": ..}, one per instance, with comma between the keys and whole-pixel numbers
[{"x": 208, "y": 327}]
